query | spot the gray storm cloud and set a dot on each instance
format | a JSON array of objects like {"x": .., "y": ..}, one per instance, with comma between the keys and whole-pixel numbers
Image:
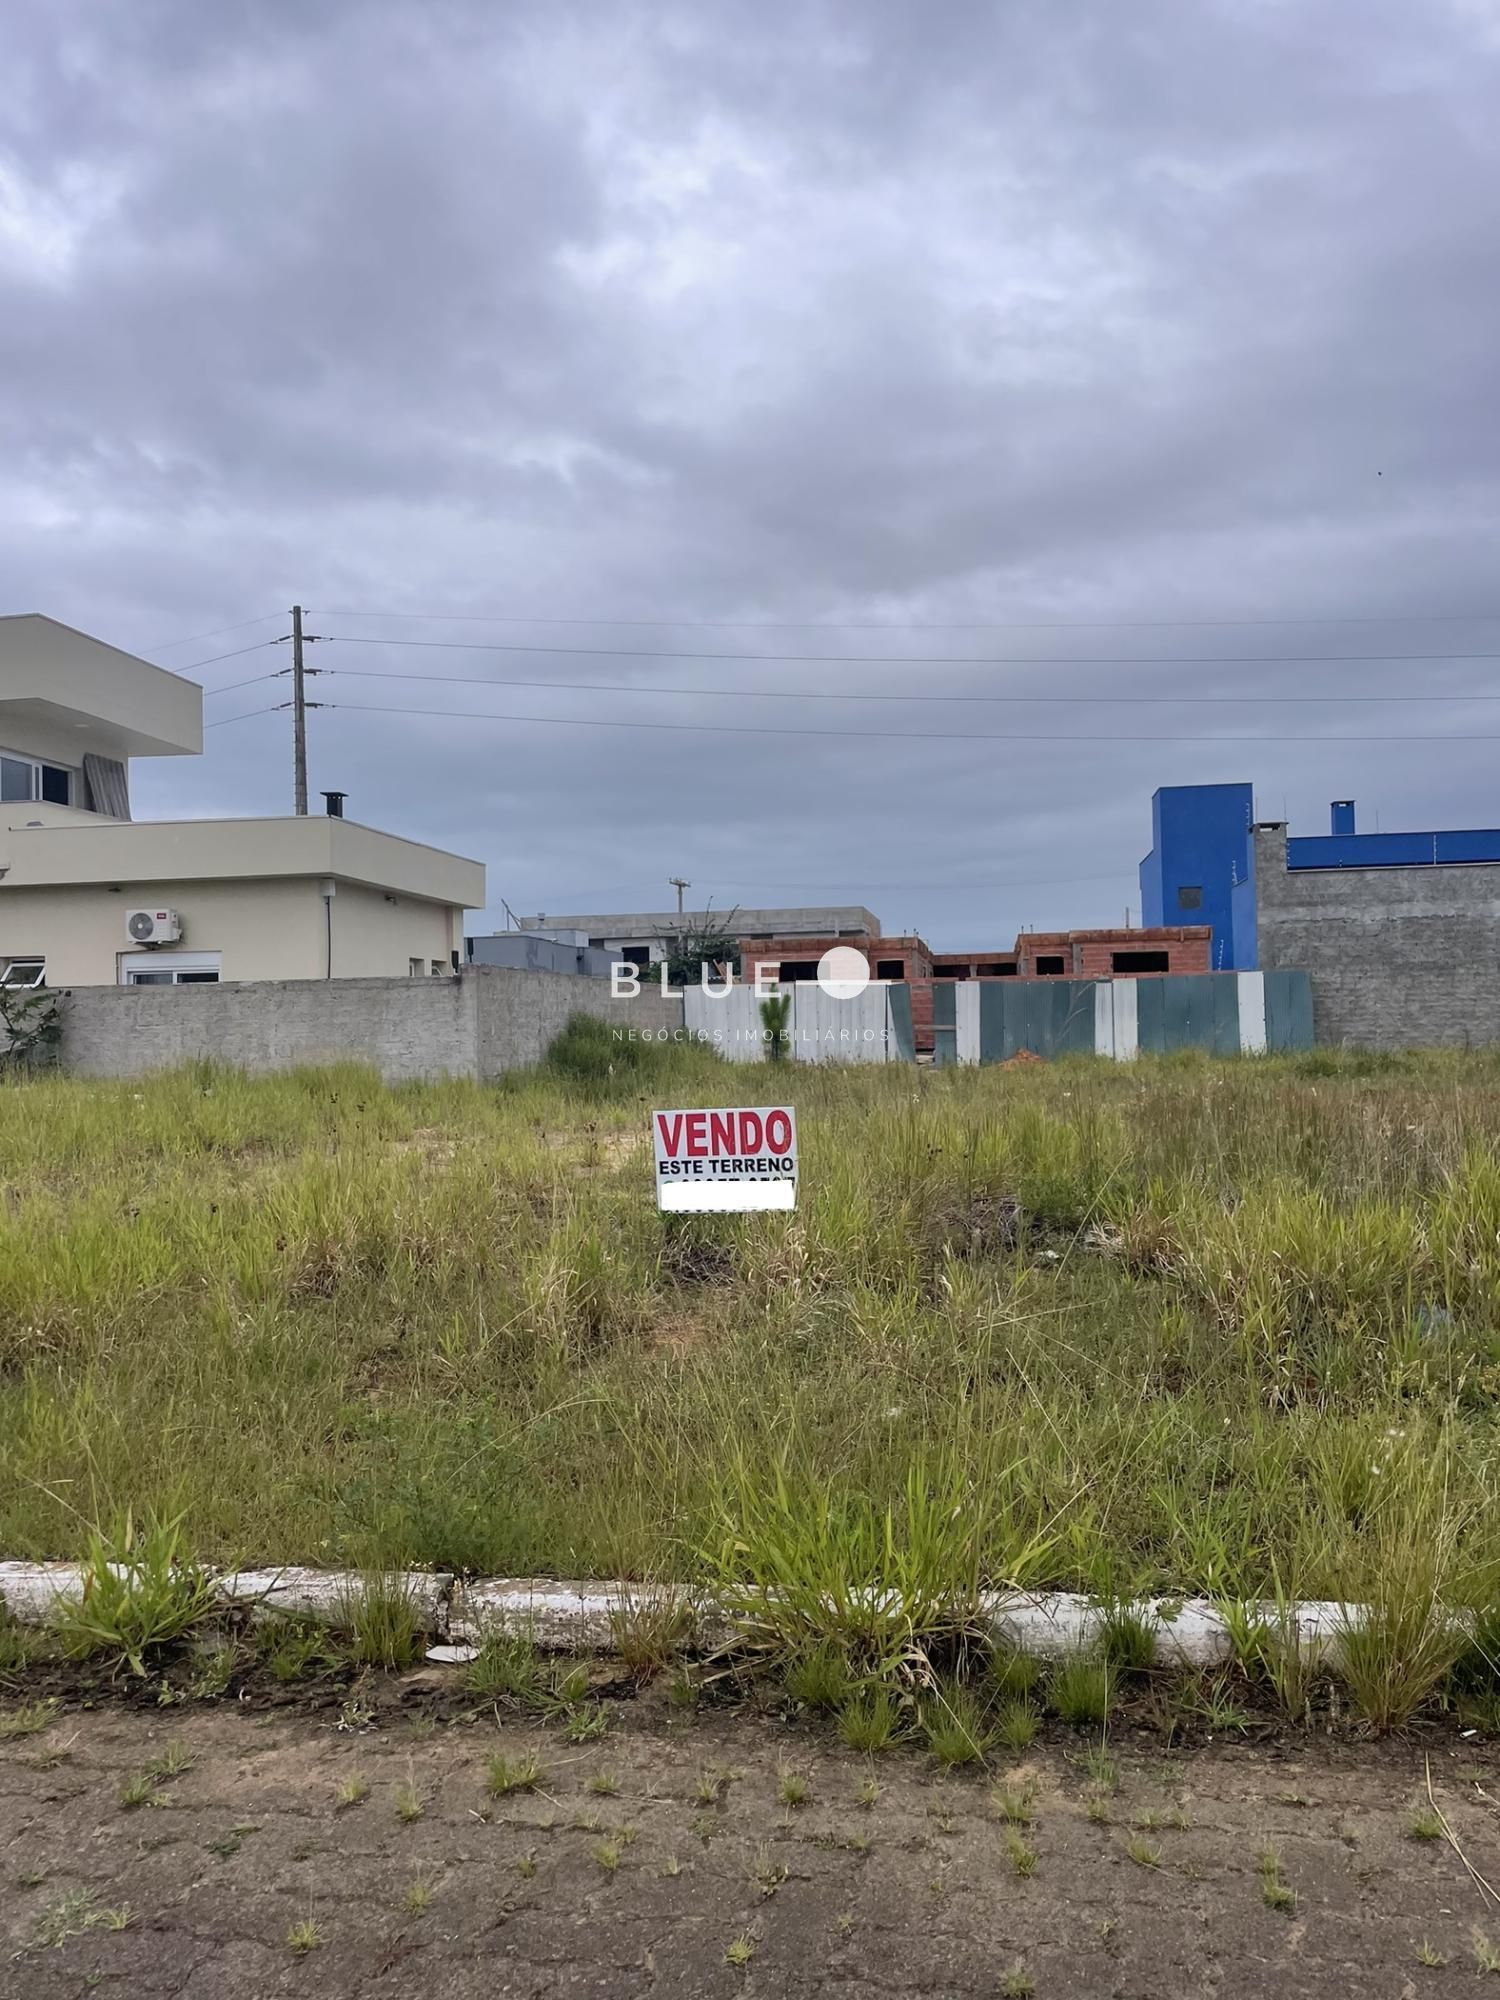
[{"x": 864, "y": 329}]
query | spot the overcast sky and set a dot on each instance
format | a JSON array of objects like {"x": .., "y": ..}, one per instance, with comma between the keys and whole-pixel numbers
[{"x": 990, "y": 332}]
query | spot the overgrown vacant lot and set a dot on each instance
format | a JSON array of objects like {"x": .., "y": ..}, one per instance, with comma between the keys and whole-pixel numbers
[{"x": 1215, "y": 1327}]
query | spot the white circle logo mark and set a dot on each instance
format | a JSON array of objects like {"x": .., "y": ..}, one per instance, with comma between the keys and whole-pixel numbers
[{"x": 843, "y": 972}]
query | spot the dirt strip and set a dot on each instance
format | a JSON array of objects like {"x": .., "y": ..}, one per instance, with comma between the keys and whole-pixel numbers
[{"x": 334, "y": 1852}]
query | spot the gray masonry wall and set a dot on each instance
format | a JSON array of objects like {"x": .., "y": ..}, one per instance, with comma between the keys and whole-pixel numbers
[
  {"x": 520, "y": 1012},
  {"x": 479, "y": 1024},
  {"x": 1398, "y": 957}
]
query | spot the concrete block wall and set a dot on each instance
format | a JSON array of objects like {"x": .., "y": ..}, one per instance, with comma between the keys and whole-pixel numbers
[
  {"x": 1405, "y": 957},
  {"x": 478, "y": 1024},
  {"x": 519, "y": 1013},
  {"x": 406, "y": 1027}
]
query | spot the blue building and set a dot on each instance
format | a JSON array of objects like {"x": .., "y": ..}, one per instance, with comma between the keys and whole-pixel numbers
[
  {"x": 1200, "y": 848},
  {"x": 1201, "y": 868}
]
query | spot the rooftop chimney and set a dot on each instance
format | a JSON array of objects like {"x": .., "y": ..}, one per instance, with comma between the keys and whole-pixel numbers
[
  {"x": 334, "y": 802},
  {"x": 1342, "y": 814}
]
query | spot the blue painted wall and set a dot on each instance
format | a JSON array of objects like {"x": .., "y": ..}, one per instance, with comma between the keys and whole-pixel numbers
[
  {"x": 1200, "y": 838},
  {"x": 1392, "y": 850}
]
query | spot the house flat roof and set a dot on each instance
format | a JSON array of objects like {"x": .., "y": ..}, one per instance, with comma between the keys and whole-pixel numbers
[
  {"x": 87, "y": 850},
  {"x": 63, "y": 681}
]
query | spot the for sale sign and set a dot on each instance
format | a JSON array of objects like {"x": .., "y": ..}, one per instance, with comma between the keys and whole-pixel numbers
[{"x": 721, "y": 1160}]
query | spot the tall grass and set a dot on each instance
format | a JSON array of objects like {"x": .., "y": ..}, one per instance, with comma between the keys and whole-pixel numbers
[{"x": 1170, "y": 1324}]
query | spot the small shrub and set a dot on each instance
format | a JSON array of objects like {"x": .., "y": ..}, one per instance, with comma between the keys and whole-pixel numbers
[
  {"x": 1275, "y": 1891},
  {"x": 1079, "y": 1690},
  {"x": 954, "y": 1724},
  {"x": 216, "y": 1659},
  {"x": 792, "y": 1788},
  {"x": 1016, "y": 1805},
  {"x": 820, "y": 1678},
  {"x": 1015, "y": 1674},
  {"x": 1127, "y": 1638},
  {"x": 502, "y": 1777},
  {"x": 418, "y": 1895},
  {"x": 304, "y": 1936},
  {"x": 386, "y": 1627},
  {"x": 649, "y": 1632},
  {"x": 291, "y": 1647},
  {"x": 171, "y": 1762},
  {"x": 1271, "y": 1652},
  {"x": 587, "y": 1723},
  {"x": 17, "y": 1647},
  {"x": 684, "y": 1689},
  {"x": 26, "y": 1720},
  {"x": 141, "y": 1591},
  {"x": 1021, "y": 1855},
  {"x": 1016, "y": 1725},
  {"x": 1219, "y": 1708},
  {"x": 869, "y": 1721},
  {"x": 140, "y": 1789},
  {"x": 801, "y": 1560},
  {"x": 1103, "y": 1771},
  {"x": 508, "y": 1669}
]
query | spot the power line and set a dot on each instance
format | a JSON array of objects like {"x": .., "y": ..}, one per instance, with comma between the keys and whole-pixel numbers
[
  {"x": 860, "y": 694},
  {"x": 927, "y": 659},
  {"x": 884, "y": 735},
  {"x": 197, "y": 638},
  {"x": 939, "y": 625},
  {"x": 214, "y": 658},
  {"x": 231, "y": 686},
  {"x": 225, "y": 720},
  {"x": 571, "y": 900}
]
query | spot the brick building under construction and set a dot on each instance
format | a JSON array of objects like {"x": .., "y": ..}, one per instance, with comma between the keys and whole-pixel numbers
[{"x": 1100, "y": 954}]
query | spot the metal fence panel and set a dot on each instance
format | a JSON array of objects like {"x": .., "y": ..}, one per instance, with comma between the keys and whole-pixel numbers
[{"x": 1289, "y": 1015}]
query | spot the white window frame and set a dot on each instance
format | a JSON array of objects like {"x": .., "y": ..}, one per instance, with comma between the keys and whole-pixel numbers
[
  {"x": 416, "y": 968},
  {"x": 36, "y": 763},
  {"x": 175, "y": 962},
  {"x": 23, "y": 958}
]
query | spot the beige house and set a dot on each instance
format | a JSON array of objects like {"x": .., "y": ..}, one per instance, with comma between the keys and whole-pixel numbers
[{"x": 90, "y": 897}]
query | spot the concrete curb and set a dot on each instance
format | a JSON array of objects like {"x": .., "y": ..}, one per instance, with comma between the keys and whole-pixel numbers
[{"x": 585, "y": 1617}]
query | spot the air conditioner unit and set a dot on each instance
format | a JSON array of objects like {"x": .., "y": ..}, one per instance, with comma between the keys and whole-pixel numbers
[{"x": 153, "y": 926}]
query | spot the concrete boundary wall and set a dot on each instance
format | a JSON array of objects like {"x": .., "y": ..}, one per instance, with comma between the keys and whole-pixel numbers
[
  {"x": 1400, "y": 957},
  {"x": 478, "y": 1023}
]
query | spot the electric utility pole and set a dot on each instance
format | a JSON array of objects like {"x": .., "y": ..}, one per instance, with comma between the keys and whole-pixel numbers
[
  {"x": 299, "y": 718},
  {"x": 677, "y": 882},
  {"x": 299, "y": 705}
]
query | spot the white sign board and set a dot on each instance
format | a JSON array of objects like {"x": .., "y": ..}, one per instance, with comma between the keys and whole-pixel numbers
[{"x": 714, "y": 1161}]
